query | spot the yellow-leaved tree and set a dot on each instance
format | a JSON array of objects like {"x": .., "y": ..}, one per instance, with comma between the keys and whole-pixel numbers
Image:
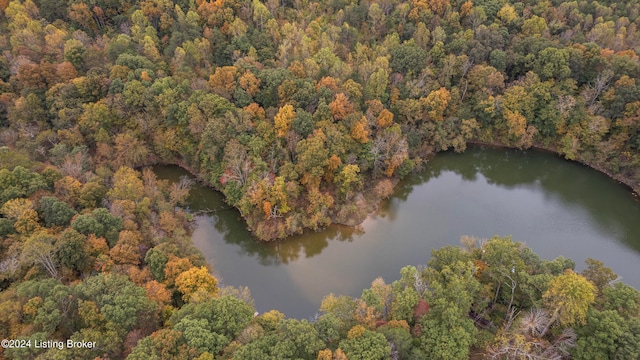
[
  {"x": 283, "y": 120},
  {"x": 197, "y": 283},
  {"x": 126, "y": 185},
  {"x": 568, "y": 297},
  {"x": 436, "y": 103}
]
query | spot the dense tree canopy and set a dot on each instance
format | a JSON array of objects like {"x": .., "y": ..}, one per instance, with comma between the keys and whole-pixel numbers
[
  {"x": 303, "y": 113},
  {"x": 240, "y": 92}
]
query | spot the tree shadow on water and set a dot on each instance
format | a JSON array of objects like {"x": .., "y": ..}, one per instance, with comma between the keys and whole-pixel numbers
[
  {"x": 611, "y": 207},
  {"x": 233, "y": 229}
]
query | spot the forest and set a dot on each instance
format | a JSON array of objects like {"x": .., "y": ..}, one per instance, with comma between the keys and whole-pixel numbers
[{"x": 302, "y": 113}]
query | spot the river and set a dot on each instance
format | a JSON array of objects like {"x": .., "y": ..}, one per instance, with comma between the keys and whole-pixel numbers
[{"x": 554, "y": 206}]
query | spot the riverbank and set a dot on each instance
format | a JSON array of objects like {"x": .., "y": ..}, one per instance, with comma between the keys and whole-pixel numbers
[
  {"x": 481, "y": 193},
  {"x": 368, "y": 201},
  {"x": 351, "y": 213}
]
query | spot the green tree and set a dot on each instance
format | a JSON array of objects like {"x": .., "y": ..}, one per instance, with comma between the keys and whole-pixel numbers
[
  {"x": 302, "y": 123},
  {"x": 111, "y": 225},
  {"x": 598, "y": 274},
  {"x": 156, "y": 260},
  {"x": 552, "y": 63},
  {"x": 312, "y": 155},
  {"x": 225, "y": 316},
  {"x": 300, "y": 337},
  {"x": 408, "y": 57},
  {"x": 124, "y": 305},
  {"x": 606, "y": 335},
  {"x": 91, "y": 194},
  {"x": 135, "y": 95},
  {"x": 260, "y": 13},
  {"x": 376, "y": 87},
  {"x": 349, "y": 180},
  {"x": 399, "y": 337},
  {"x": 55, "y": 212},
  {"x": 72, "y": 250},
  {"x": 101, "y": 223},
  {"x": 447, "y": 330},
  {"x": 363, "y": 344},
  {"x": 328, "y": 327},
  {"x": 198, "y": 336},
  {"x": 622, "y": 298},
  {"x": 506, "y": 269},
  {"x": 263, "y": 348},
  {"x": 407, "y": 293},
  {"x": 342, "y": 308},
  {"x": 535, "y": 26},
  {"x": 87, "y": 224},
  {"x": 19, "y": 182}
]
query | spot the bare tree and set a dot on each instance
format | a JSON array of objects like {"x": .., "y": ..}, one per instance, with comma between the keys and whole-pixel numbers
[
  {"x": 418, "y": 283},
  {"x": 237, "y": 162},
  {"x": 592, "y": 91},
  {"x": 40, "y": 250},
  {"x": 179, "y": 191},
  {"x": 534, "y": 322},
  {"x": 73, "y": 165},
  {"x": 565, "y": 104},
  {"x": 9, "y": 266},
  {"x": 527, "y": 339}
]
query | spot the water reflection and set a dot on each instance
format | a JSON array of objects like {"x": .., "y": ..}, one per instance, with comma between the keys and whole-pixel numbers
[
  {"x": 227, "y": 222},
  {"x": 307, "y": 245},
  {"x": 610, "y": 205},
  {"x": 556, "y": 207}
]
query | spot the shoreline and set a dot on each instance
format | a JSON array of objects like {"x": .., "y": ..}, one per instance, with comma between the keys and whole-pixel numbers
[
  {"x": 634, "y": 189},
  {"x": 372, "y": 206}
]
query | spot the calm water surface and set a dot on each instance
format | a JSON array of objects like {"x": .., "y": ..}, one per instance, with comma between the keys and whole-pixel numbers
[{"x": 554, "y": 206}]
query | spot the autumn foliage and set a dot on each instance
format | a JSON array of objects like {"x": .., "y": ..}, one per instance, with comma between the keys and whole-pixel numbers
[{"x": 292, "y": 110}]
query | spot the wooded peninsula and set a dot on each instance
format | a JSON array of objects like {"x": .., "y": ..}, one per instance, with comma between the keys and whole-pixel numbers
[{"x": 302, "y": 113}]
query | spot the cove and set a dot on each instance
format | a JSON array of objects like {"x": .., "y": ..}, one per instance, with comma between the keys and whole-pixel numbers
[{"x": 556, "y": 207}]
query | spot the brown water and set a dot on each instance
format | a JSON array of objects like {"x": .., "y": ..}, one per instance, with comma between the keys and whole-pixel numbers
[{"x": 554, "y": 206}]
